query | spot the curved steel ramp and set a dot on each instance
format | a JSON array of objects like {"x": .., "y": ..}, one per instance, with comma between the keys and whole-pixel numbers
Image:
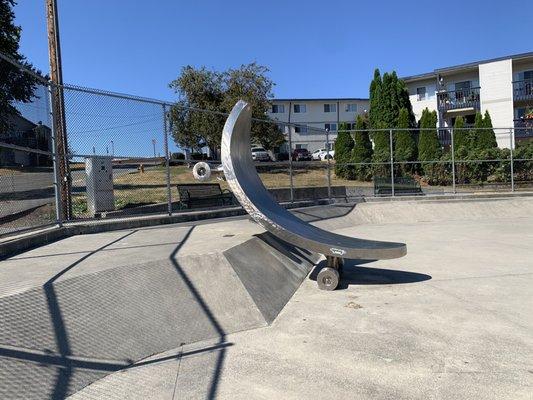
[{"x": 247, "y": 187}]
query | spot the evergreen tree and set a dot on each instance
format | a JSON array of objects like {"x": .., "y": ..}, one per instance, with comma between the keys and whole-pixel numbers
[
  {"x": 476, "y": 133},
  {"x": 381, "y": 154},
  {"x": 428, "y": 143},
  {"x": 15, "y": 85},
  {"x": 362, "y": 151},
  {"x": 343, "y": 150},
  {"x": 374, "y": 97},
  {"x": 487, "y": 138},
  {"x": 388, "y": 95},
  {"x": 404, "y": 143},
  {"x": 429, "y": 148},
  {"x": 460, "y": 135}
]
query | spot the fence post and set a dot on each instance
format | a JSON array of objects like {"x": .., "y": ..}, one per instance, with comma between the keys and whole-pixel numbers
[
  {"x": 512, "y": 159},
  {"x": 391, "y": 162},
  {"x": 290, "y": 165},
  {"x": 167, "y": 159},
  {"x": 329, "y": 165},
  {"x": 453, "y": 163},
  {"x": 57, "y": 181}
]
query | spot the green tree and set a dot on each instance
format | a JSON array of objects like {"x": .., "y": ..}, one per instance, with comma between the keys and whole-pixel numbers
[
  {"x": 461, "y": 136},
  {"x": 251, "y": 83},
  {"x": 362, "y": 151},
  {"x": 381, "y": 154},
  {"x": 428, "y": 142},
  {"x": 374, "y": 114},
  {"x": 429, "y": 148},
  {"x": 404, "y": 142},
  {"x": 487, "y": 137},
  {"x": 477, "y": 133},
  {"x": 388, "y": 95},
  {"x": 217, "y": 92},
  {"x": 343, "y": 150},
  {"x": 198, "y": 89},
  {"x": 15, "y": 85}
]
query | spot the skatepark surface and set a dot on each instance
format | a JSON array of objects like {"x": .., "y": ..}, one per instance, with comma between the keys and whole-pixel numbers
[{"x": 220, "y": 309}]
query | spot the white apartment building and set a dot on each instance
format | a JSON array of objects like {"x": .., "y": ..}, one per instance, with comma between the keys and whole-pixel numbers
[
  {"x": 316, "y": 113},
  {"x": 503, "y": 86}
]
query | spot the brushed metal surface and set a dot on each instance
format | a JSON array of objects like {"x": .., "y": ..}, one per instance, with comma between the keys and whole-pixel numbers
[{"x": 247, "y": 187}]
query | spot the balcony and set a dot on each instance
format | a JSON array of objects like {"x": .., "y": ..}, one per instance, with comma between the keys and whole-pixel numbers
[
  {"x": 465, "y": 99},
  {"x": 523, "y": 90},
  {"x": 523, "y": 129}
]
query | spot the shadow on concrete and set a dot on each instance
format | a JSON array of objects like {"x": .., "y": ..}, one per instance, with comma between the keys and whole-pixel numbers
[
  {"x": 64, "y": 361},
  {"x": 222, "y": 344},
  {"x": 321, "y": 213},
  {"x": 295, "y": 254},
  {"x": 354, "y": 274}
]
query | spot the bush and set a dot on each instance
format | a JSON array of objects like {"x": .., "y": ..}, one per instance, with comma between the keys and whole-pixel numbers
[
  {"x": 178, "y": 156},
  {"x": 343, "y": 151},
  {"x": 523, "y": 170},
  {"x": 362, "y": 151}
]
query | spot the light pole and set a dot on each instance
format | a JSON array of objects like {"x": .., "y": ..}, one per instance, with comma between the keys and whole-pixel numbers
[
  {"x": 112, "y": 149},
  {"x": 153, "y": 143}
]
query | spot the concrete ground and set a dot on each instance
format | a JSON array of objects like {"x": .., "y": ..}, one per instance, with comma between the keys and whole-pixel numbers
[{"x": 451, "y": 320}]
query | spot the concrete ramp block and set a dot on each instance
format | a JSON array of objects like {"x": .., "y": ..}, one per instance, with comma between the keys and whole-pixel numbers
[
  {"x": 270, "y": 270},
  {"x": 119, "y": 315}
]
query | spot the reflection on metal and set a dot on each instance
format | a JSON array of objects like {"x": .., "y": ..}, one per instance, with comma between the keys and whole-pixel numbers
[
  {"x": 247, "y": 187},
  {"x": 202, "y": 171}
]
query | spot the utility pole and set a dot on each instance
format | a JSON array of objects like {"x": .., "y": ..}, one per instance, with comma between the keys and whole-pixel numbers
[
  {"x": 112, "y": 148},
  {"x": 153, "y": 144},
  {"x": 58, "y": 109}
]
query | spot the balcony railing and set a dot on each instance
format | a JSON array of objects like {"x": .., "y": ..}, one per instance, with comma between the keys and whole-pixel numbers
[
  {"x": 523, "y": 90},
  {"x": 523, "y": 128},
  {"x": 457, "y": 99}
]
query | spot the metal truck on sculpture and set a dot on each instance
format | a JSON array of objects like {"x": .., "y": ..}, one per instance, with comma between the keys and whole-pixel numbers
[{"x": 243, "y": 180}]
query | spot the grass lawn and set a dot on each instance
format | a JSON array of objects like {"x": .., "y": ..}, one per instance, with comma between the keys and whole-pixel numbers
[{"x": 150, "y": 187}]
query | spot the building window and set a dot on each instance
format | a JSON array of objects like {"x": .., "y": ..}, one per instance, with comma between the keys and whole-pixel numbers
[
  {"x": 300, "y": 129},
  {"x": 278, "y": 108},
  {"x": 330, "y": 107},
  {"x": 299, "y": 108},
  {"x": 350, "y": 126},
  {"x": 301, "y": 145},
  {"x": 330, "y": 126},
  {"x": 462, "y": 90},
  {"x": 351, "y": 107},
  {"x": 421, "y": 93}
]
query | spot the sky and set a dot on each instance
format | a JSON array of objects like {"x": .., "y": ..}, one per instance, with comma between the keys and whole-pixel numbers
[{"x": 312, "y": 48}]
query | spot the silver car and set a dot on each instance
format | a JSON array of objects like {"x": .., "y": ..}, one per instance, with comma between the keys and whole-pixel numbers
[{"x": 260, "y": 154}]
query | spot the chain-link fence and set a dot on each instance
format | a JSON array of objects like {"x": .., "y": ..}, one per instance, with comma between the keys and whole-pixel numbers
[{"x": 106, "y": 155}]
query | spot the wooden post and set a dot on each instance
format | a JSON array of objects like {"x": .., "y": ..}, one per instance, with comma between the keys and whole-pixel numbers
[{"x": 58, "y": 108}]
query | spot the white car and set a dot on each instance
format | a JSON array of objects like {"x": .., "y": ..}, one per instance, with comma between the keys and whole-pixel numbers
[
  {"x": 317, "y": 154},
  {"x": 327, "y": 154},
  {"x": 260, "y": 154}
]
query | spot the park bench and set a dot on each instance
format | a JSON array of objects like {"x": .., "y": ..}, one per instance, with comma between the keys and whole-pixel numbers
[
  {"x": 204, "y": 195},
  {"x": 403, "y": 186}
]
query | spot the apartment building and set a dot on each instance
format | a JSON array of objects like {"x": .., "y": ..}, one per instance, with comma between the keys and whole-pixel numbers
[
  {"x": 503, "y": 86},
  {"x": 309, "y": 118}
]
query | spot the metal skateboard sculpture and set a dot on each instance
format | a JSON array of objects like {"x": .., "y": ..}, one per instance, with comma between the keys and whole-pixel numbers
[{"x": 247, "y": 187}]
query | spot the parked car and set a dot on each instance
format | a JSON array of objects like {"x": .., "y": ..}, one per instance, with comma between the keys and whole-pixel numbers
[
  {"x": 317, "y": 154},
  {"x": 327, "y": 154},
  {"x": 301, "y": 155},
  {"x": 260, "y": 154}
]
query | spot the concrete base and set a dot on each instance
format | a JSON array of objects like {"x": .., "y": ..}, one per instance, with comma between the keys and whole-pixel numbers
[
  {"x": 183, "y": 311},
  {"x": 82, "y": 311}
]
